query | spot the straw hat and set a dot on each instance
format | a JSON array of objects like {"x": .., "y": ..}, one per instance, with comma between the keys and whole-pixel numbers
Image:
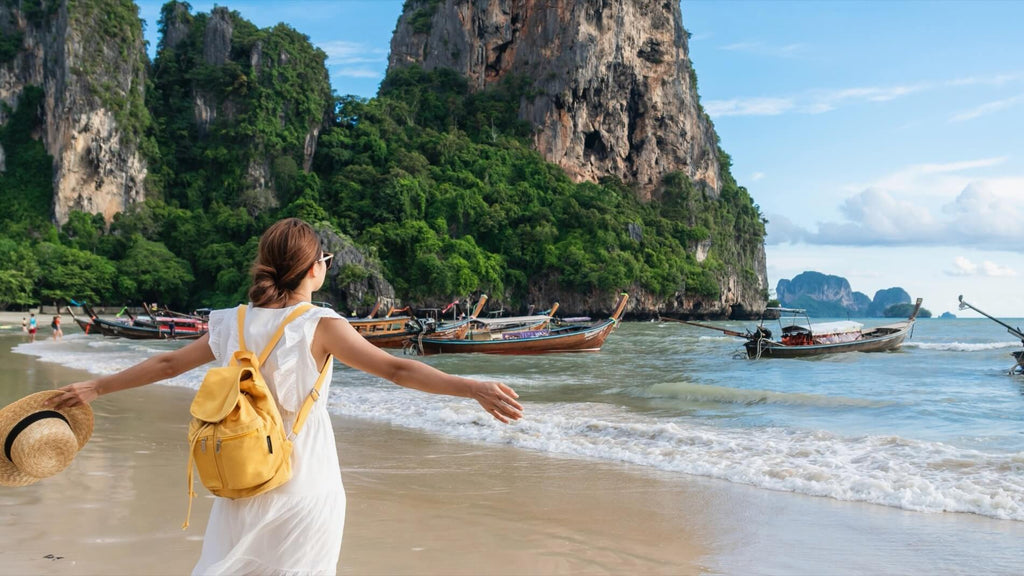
[{"x": 37, "y": 441}]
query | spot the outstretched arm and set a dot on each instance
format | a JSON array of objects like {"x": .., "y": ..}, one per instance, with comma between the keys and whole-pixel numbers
[
  {"x": 338, "y": 338},
  {"x": 160, "y": 367}
]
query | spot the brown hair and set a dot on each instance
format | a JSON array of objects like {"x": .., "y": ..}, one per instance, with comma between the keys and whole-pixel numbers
[{"x": 287, "y": 250}]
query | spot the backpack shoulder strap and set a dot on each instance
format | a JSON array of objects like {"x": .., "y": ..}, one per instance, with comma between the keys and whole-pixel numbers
[
  {"x": 314, "y": 394},
  {"x": 299, "y": 311},
  {"x": 241, "y": 326}
]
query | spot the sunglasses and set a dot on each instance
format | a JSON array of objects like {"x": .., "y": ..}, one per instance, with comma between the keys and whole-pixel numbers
[{"x": 327, "y": 258}]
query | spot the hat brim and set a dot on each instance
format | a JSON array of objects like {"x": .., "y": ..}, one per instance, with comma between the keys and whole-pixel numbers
[{"x": 80, "y": 419}]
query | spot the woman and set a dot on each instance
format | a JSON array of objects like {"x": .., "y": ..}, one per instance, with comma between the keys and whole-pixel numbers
[{"x": 295, "y": 528}]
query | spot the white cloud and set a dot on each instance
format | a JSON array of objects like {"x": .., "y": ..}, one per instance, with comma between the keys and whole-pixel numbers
[
  {"x": 988, "y": 108},
  {"x": 934, "y": 182},
  {"x": 994, "y": 80},
  {"x": 915, "y": 209},
  {"x": 782, "y": 230},
  {"x": 964, "y": 267},
  {"x": 869, "y": 93},
  {"x": 354, "y": 60},
  {"x": 809, "y": 102},
  {"x": 345, "y": 53},
  {"x": 818, "y": 101},
  {"x": 748, "y": 107},
  {"x": 992, "y": 269},
  {"x": 357, "y": 72},
  {"x": 761, "y": 49},
  {"x": 756, "y": 176},
  {"x": 958, "y": 166}
]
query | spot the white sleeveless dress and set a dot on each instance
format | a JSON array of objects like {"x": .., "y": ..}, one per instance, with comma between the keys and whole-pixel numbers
[{"x": 297, "y": 527}]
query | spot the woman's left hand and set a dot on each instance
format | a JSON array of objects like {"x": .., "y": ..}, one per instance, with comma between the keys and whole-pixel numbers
[
  {"x": 76, "y": 394},
  {"x": 499, "y": 400}
]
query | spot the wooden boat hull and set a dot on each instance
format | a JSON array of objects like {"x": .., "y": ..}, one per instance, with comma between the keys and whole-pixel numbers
[
  {"x": 86, "y": 325},
  {"x": 587, "y": 340},
  {"x": 392, "y": 340},
  {"x": 181, "y": 329},
  {"x": 119, "y": 330},
  {"x": 875, "y": 340},
  {"x": 455, "y": 331},
  {"x": 568, "y": 339}
]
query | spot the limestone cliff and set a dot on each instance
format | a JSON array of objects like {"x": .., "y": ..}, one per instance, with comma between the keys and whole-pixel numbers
[
  {"x": 828, "y": 295},
  {"x": 261, "y": 93},
  {"x": 89, "y": 59},
  {"x": 614, "y": 94},
  {"x": 615, "y": 87}
]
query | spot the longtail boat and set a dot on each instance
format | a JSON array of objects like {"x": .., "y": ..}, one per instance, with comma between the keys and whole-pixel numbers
[
  {"x": 457, "y": 329},
  {"x": 816, "y": 339},
  {"x": 178, "y": 324},
  {"x": 574, "y": 338},
  {"x": 85, "y": 324},
  {"x": 483, "y": 328},
  {"x": 129, "y": 330},
  {"x": 1018, "y": 356},
  {"x": 389, "y": 331}
]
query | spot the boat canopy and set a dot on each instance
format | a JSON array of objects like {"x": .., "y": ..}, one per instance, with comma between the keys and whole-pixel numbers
[
  {"x": 838, "y": 327},
  {"x": 511, "y": 320}
]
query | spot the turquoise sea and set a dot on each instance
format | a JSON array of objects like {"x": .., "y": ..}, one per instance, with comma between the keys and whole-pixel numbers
[{"x": 936, "y": 427}]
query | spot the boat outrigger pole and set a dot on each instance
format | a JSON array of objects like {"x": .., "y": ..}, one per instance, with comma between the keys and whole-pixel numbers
[
  {"x": 1015, "y": 331},
  {"x": 728, "y": 332}
]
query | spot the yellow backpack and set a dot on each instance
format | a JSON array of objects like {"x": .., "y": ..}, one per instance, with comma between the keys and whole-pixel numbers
[{"x": 236, "y": 437}]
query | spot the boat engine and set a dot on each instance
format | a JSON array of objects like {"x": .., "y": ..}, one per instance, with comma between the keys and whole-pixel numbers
[{"x": 762, "y": 333}]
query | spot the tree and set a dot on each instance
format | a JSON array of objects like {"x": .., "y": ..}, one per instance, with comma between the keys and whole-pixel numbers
[
  {"x": 67, "y": 273},
  {"x": 158, "y": 274}
]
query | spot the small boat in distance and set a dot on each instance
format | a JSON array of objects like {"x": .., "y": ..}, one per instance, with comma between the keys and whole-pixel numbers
[
  {"x": 800, "y": 340},
  {"x": 1018, "y": 368}
]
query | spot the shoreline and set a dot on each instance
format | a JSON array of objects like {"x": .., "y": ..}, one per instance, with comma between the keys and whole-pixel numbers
[{"x": 421, "y": 503}]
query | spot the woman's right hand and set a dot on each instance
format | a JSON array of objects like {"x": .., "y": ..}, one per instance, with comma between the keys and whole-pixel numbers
[{"x": 499, "y": 400}]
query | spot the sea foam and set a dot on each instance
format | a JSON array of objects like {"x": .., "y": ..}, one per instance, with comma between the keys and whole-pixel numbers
[{"x": 886, "y": 470}]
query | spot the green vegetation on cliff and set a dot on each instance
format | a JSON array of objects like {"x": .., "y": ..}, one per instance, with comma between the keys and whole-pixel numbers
[
  {"x": 259, "y": 105},
  {"x": 26, "y": 185},
  {"x": 444, "y": 184},
  {"x": 113, "y": 60}
]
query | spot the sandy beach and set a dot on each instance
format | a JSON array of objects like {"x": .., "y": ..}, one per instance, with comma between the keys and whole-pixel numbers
[
  {"x": 423, "y": 504},
  {"x": 418, "y": 504}
]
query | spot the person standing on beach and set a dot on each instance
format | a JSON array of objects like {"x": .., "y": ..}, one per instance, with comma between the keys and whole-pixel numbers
[
  {"x": 32, "y": 327},
  {"x": 55, "y": 325},
  {"x": 24, "y": 325},
  {"x": 247, "y": 535}
]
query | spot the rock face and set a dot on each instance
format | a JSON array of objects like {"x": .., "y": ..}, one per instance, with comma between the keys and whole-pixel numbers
[
  {"x": 616, "y": 91},
  {"x": 355, "y": 280},
  {"x": 827, "y": 295},
  {"x": 87, "y": 79},
  {"x": 261, "y": 66},
  {"x": 820, "y": 288},
  {"x": 885, "y": 298}
]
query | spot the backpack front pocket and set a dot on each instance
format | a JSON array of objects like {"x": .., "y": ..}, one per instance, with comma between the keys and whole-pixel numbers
[{"x": 249, "y": 459}]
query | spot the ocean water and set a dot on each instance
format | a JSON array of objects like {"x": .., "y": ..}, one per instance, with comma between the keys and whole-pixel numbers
[{"x": 935, "y": 427}]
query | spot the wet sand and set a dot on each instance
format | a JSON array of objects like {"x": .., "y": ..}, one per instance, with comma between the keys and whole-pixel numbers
[{"x": 423, "y": 504}]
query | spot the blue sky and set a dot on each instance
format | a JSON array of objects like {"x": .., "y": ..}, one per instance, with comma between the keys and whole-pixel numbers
[{"x": 882, "y": 140}]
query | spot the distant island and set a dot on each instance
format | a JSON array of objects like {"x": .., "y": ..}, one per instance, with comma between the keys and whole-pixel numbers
[{"x": 825, "y": 295}]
